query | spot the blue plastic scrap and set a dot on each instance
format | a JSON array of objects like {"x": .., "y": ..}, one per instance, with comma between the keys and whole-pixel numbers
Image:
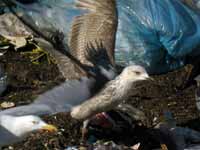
[{"x": 71, "y": 148}]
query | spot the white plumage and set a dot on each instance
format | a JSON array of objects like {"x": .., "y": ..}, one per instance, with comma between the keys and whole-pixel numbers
[{"x": 14, "y": 129}]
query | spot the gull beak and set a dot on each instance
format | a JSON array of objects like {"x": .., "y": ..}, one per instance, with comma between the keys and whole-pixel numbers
[
  {"x": 147, "y": 77},
  {"x": 50, "y": 128},
  {"x": 151, "y": 79}
]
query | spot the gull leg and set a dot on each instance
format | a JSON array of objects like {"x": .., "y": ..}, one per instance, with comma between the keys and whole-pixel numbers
[
  {"x": 189, "y": 76},
  {"x": 101, "y": 119},
  {"x": 84, "y": 130},
  {"x": 192, "y": 71},
  {"x": 189, "y": 70}
]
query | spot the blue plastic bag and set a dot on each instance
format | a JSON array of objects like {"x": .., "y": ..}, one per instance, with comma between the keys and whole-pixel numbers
[{"x": 158, "y": 34}]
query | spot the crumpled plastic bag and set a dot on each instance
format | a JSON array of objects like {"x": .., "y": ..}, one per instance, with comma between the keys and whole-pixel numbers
[{"x": 157, "y": 34}]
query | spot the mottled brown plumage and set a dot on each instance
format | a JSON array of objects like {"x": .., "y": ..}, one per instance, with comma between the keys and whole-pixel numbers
[
  {"x": 96, "y": 27},
  {"x": 113, "y": 93}
]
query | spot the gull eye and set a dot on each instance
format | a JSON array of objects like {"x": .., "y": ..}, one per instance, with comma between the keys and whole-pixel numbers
[
  {"x": 137, "y": 73},
  {"x": 35, "y": 122}
]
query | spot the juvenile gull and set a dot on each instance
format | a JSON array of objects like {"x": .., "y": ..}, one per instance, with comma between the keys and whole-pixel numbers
[
  {"x": 114, "y": 92},
  {"x": 14, "y": 129}
]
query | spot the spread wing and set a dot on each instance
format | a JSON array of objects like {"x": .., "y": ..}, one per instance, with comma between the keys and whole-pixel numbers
[{"x": 97, "y": 27}]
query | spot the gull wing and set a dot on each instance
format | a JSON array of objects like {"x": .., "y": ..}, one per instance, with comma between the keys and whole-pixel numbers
[
  {"x": 59, "y": 99},
  {"x": 97, "y": 27}
]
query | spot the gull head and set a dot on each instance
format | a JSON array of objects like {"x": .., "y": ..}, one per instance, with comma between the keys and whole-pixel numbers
[
  {"x": 23, "y": 125},
  {"x": 134, "y": 73}
]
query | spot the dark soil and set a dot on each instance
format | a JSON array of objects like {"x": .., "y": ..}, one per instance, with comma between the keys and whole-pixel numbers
[{"x": 169, "y": 92}]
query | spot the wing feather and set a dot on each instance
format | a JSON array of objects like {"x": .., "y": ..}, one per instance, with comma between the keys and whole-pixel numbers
[{"x": 96, "y": 27}]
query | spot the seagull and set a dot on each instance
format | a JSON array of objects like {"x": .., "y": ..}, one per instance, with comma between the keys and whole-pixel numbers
[
  {"x": 14, "y": 129},
  {"x": 111, "y": 96},
  {"x": 113, "y": 93}
]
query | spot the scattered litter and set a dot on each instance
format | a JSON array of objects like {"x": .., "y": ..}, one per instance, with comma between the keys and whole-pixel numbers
[
  {"x": 4, "y": 47},
  {"x": 71, "y": 148},
  {"x": 18, "y": 42},
  {"x": 7, "y": 105},
  {"x": 10, "y": 148},
  {"x": 136, "y": 146},
  {"x": 163, "y": 147}
]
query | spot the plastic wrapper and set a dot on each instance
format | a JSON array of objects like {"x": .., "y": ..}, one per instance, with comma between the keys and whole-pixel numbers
[{"x": 157, "y": 34}]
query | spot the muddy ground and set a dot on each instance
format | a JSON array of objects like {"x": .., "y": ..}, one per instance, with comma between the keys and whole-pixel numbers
[{"x": 169, "y": 92}]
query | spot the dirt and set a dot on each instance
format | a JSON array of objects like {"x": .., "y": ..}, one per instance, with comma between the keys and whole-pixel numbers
[{"x": 169, "y": 92}]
